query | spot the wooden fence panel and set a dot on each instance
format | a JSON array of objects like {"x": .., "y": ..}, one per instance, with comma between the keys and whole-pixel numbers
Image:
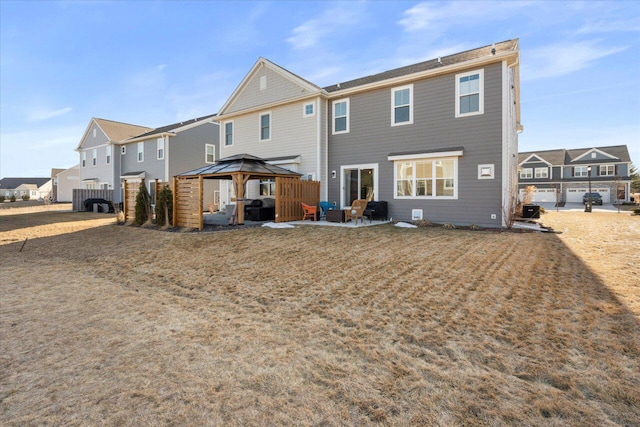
[
  {"x": 187, "y": 210},
  {"x": 290, "y": 193},
  {"x": 131, "y": 190},
  {"x": 82, "y": 194}
]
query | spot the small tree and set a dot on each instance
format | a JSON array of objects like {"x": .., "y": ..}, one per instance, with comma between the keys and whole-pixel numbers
[
  {"x": 25, "y": 197},
  {"x": 13, "y": 198},
  {"x": 164, "y": 206},
  {"x": 143, "y": 205}
]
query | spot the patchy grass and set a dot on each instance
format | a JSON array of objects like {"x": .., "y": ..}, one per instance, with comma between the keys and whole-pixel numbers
[{"x": 321, "y": 326}]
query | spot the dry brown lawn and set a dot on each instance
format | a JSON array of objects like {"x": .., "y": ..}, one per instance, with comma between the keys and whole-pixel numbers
[{"x": 112, "y": 325}]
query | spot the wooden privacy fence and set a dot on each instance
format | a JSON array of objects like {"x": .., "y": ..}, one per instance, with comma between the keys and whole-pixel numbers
[
  {"x": 82, "y": 194},
  {"x": 131, "y": 189},
  {"x": 187, "y": 203},
  {"x": 290, "y": 193}
]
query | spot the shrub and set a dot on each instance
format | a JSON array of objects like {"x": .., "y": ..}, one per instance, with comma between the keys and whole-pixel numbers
[
  {"x": 2, "y": 199},
  {"x": 164, "y": 205},
  {"x": 448, "y": 226},
  {"x": 636, "y": 211},
  {"x": 474, "y": 227},
  {"x": 143, "y": 205},
  {"x": 25, "y": 197},
  {"x": 423, "y": 223},
  {"x": 13, "y": 198}
]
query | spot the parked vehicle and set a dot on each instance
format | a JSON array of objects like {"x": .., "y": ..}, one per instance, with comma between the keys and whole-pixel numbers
[{"x": 596, "y": 199}]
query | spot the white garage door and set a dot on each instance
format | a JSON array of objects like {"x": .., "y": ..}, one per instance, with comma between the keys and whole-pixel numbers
[
  {"x": 541, "y": 195},
  {"x": 574, "y": 195}
]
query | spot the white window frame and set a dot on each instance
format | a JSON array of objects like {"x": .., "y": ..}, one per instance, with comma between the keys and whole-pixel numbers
[
  {"x": 414, "y": 186},
  {"x": 270, "y": 184},
  {"x": 123, "y": 150},
  {"x": 260, "y": 116},
  {"x": 140, "y": 155},
  {"x": 94, "y": 132},
  {"x": 83, "y": 158},
  {"x": 480, "y": 73},
  {"x": 313, "y": 109},
  {"x": 486, "y": 171},
  {"x": 160, "y": 149},
  {"x": 90, "y": 185},
  {"x": 206, "y": 153},
  {"x": 606, "y": 168},
  {"x": 393, "y": 106},
  {"x": 263, "y": 82},
  {"x": 108, "y": 155},
  {"x": 541, "y": 173},
  {"x": 333, "y": 115},
  {"x": 224, "y": 133},
  {"x": 583, "y": 172},
  {"x": 526, "y": 173}
]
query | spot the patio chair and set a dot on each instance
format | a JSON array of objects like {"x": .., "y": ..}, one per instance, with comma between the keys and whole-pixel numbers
[
  {"x": 309, "y": 211},
  {"x": 324, "y": 207},
  {"x": 356, "y": 210}
]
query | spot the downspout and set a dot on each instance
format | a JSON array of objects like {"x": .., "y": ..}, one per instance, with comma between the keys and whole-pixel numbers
[{"x": 319, "y": 142}]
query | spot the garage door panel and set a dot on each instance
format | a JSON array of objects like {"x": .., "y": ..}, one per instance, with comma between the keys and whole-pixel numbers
[{"x": 574, "y": 195}]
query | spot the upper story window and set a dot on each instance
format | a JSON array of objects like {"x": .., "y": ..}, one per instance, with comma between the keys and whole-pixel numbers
[
  {"x": 470, "y": 93},
  {"x": 94, "y": 157},
  {"x": 429, "y": 178},
  {"x": 526, "y": 173},
  {"x": 402, "y": 105},
  {"x": 341, "y": 116},
  {"x": 542, "y": 173},
  {"x": 84, "y": 159},
  {"x": 228, "y": 133},
  {"x": 209, "y": 153},
  {"x": 265, "y": 127},
  {"x": 607, "y": 170},
  {"x": 267, "y": 187},
  {"x": 123, "y": 150},
  {"x": 308, "y": 110},
  {"x": 141, "y": 151},
  {"x": 108, "y": 154},
  {"x": 160, "y": 148},
  {"x": 580, "y": 171}
]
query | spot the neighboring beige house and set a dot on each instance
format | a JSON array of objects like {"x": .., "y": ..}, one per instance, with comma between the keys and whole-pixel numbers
[
  {"x": 66, "y": 181},
  {"x": 35, "y": 188}
]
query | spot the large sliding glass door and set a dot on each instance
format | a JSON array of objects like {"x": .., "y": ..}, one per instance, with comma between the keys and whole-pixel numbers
[{"x": 358, "y": 182}]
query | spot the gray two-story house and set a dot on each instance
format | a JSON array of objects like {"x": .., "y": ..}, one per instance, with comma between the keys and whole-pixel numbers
[
  {"x": 436, "y": 140},
  {"x": 564, "y": 175},
  {"x": 164, "y": 152}
]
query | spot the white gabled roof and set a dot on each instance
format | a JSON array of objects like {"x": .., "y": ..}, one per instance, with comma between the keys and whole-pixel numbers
[
  {"x": 594, "y": 150},
  {"x": 536, "y": 156}
]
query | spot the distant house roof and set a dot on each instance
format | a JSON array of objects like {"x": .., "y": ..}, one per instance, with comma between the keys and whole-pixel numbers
[
  {"x": 118, "y": 131},
  {"x": 172, "y": 127},
  {"x": 505, "y": 46},
  {"x": 567, "y": 157},
  {"x": 12, "y": 183}
]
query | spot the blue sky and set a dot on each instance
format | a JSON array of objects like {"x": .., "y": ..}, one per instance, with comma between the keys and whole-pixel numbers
[{"x": 154, "y": 63}]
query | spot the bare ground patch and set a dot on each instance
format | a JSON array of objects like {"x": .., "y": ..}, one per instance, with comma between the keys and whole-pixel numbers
[{"x": 320, "y": 326}]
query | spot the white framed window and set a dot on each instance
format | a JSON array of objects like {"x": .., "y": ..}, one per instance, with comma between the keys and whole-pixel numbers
[
  {"x": 140, "y": 151},
  {"x": 309, "y": 109},
  {"x": 94, "y": 157},
  {"x": 209, "y": 153},
  {"x": 267, "y": 187},
  {"x": 580, "y": 171},
  {"x": 607, "y": 170},
  {"x": 593, "y": 155},
  {"x": 426, "y": 179},
  {"x": 84, "y": 159},
  {"x": 123, "y": 150},
  {"x": 108, "y": 154},
  {"x": 265, "y": 126},
  {"x": 340, "y": 116},
  {"x": 470, "y": 93},
  {"x": 542, "y": 173},
  {"x": 486, "y": 171},
  {"x": 526, "y": 173},
  {"x": 94, "y": 133},
  {"x": 228, "y": 133},
  {"x": 90, "y": 185},
  {"x": 402, "y": 105},
  {"x": 160, "y": 148}
]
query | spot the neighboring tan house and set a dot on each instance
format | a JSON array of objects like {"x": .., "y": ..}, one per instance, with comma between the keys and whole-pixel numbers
[
  {"x": 564, "y": 174},
  {"x": 99, "y": 161},
  {"x": 437, "y": 140},
  {"x": 35, "y": 188},
  {"x": 280, "y": 117},
  {"x": 66, "y": 181},
  {"x": 166, "y": 151},
  {"x": 54, "y": 184}
]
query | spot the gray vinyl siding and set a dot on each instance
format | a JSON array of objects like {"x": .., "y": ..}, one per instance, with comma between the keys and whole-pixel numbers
[
  {"x": 372, "y": 138},
  {"x": 153, "y": 168},
  {"x": 101, "y": 171},
  {"x": 278, "y": 88},
  {"x": 187, "y": 148}
]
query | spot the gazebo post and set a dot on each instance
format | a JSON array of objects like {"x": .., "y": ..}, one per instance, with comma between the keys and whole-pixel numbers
[{"x": 239, "y": 178}]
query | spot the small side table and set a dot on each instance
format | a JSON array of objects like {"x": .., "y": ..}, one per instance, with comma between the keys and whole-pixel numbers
[{"x": 335, "y": 215}]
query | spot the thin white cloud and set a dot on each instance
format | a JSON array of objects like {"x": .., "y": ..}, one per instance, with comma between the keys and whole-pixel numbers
[
  {"x": 331, "y": 21},
  {"x": 563, "y": 58},
  {"x": 40, "y": 114}
]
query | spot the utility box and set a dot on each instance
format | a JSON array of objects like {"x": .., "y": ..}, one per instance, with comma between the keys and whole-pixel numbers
[{"x": 531, "y": 211}]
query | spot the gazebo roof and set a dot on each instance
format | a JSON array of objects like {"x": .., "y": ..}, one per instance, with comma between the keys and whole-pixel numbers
[{"x": 245, "y": 164}]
